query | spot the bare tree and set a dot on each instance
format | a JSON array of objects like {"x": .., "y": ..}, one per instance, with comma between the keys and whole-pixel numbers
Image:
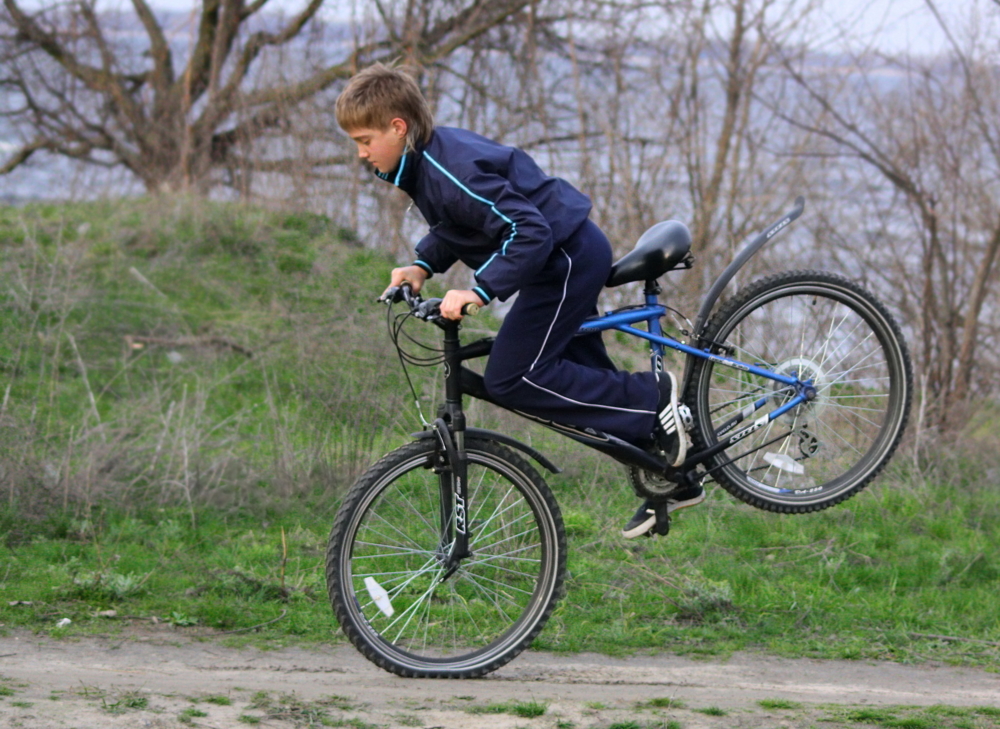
[
  {"x": 176, "y": 113},
  {"x": 927, "y": 134}
]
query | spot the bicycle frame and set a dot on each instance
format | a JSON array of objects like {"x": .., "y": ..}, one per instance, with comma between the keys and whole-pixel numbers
[
  {"x": 651, "y": 313},
  {"x": 450, "y": 428},
  {"x": 463, "y": 381}
]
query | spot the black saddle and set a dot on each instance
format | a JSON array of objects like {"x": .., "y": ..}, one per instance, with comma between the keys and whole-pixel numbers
[{"x": 664, "y": 247}]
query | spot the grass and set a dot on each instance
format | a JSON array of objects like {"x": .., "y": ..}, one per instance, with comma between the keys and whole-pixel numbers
[
  {"x": 199, "y": 491},
  {"x": 911, "y": 717},
  {"x": 523, "y": 709},
  {"x": 784, "y": 704}
]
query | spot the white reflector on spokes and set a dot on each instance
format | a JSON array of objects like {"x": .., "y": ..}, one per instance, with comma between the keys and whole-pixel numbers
[
  {"x": 785, "y": 463},
  {"x": 380, "y": 596}
]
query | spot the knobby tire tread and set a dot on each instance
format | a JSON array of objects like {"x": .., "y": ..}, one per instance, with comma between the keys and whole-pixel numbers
[
  {"x": 703, "y": 420},
  {"x": 346, "y": 513}
]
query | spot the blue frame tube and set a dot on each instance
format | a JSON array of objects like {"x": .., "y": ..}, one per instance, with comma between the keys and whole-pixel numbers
[{"x": 622, "y": 321}]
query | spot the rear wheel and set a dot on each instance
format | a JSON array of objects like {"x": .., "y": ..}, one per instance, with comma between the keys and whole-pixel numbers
[
  {"x": 386, "y": 573},
  {"x": 817, "y": 327}
]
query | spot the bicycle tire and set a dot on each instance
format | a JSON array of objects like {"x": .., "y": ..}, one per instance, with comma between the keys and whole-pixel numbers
[
  {"x": 833, "y": 331},
  {"x": 482, "y": 616}
]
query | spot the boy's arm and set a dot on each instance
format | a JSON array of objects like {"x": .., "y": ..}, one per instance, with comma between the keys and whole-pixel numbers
[
  {"x": 488, "y": 202},
  {"x": 433, "y": 255}
]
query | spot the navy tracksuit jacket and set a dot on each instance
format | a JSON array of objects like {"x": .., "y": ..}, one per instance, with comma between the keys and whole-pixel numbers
[{"x": 491, "y": 207}]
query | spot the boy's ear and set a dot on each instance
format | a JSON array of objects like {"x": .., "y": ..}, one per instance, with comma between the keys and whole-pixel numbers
[{"x": 399, "y": 126}]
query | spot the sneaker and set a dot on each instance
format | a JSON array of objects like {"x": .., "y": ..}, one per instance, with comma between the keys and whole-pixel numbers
[
  {"x": 669, "y": 429},
  {"x": 645, "y": 518}
]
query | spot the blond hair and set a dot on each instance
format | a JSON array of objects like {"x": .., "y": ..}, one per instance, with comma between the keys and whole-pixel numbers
[{"x": 380, "y": 93}]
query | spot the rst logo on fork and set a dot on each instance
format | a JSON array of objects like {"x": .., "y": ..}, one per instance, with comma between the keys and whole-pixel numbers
[{"x": 459, "y": 508}]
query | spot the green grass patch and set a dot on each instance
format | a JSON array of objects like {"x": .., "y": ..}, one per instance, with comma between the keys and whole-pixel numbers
[
  {"x": 665, "y": 703},
  {"x": 712, "y": 711},
  {"x": 912, "y": 717},
  {"x": 188, "y": 389},
  {"x": 778, "y": 704},
  {"x": 523, "y": 709}
]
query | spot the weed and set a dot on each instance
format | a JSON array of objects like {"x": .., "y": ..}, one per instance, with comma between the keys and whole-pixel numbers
[
  {"x": 409, "y": 720},
  {"x": 194, "y": 713},
  {"x": 249, "y": 719},
  {"x": 181, "y": 619},
  {"x": 666, "y": 703},
  {"x": 128, "y": 701},
  {"x": 289, "y": 707},
  {"x": 22, "y": 704},
  {"x": 778, "y": 704},
  {"x": 218, "y": 700},
  {"x": 6, "y": 690},
  {"x": 712, "y": 711},
  {"x": 702, "y": 597},
  {"x": 338, "y": 702},
  {"x": 523, "y": 709},
  {"x": 107, "y": 585}
]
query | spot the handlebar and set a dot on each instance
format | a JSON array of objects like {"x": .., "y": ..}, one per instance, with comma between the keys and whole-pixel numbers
[{"x": 426, "y": 309}]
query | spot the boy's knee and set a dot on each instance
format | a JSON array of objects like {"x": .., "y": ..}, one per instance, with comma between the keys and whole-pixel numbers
[{"x": 502, "y": 390}]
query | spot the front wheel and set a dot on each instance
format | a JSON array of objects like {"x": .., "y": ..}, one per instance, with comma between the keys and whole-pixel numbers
[
  {"x": 822, "y": 329},
  {"x": 389, "y": 584}
]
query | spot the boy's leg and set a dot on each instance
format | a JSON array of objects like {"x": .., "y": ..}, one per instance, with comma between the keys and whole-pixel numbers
[{"x": 539, "y": 367}]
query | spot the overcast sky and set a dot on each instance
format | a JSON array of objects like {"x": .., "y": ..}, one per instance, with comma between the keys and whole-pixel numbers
[
  {"x": 894, "y": 25},
  {"x": 897, "y": 24}
]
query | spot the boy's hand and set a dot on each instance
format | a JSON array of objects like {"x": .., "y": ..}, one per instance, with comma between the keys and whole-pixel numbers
[
  {"x": 454, "y": 300},
  {"x": 413, "y": 275}
]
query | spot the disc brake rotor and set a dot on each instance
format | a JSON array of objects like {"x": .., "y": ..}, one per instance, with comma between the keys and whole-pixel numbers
[{"x": 804, "y": 369}]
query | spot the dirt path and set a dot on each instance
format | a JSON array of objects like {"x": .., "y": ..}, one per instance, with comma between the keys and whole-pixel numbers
[{"x": 170, "y": 680}]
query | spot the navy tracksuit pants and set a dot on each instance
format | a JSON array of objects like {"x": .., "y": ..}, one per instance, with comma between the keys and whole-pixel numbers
[{"x": 540, "y": 367}]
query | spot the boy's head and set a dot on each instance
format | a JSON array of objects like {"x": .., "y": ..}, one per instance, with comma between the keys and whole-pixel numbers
[{"x": 383, "y": 106}]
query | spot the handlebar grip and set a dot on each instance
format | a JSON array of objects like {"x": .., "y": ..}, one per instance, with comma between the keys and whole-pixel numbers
[{"x": 470, "y": 309}]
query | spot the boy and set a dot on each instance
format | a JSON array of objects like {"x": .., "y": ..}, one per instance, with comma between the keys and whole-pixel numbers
[{"x": 491, "y": 207}]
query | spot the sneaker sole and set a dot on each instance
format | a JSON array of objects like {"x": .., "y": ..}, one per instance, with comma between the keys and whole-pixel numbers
[
  {"x": 685, "y": 504},
  {"x": 640, "y": 529}
]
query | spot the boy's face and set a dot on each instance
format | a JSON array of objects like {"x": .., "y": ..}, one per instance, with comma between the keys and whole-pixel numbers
[{"x": 382, "y": 148}]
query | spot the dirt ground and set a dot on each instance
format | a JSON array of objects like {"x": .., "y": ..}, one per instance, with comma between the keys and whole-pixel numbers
[{"x": 169, "y": 679}]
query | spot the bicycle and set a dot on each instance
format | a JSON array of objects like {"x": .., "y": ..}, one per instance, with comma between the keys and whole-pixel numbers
[{"x": 448, "y": 555}]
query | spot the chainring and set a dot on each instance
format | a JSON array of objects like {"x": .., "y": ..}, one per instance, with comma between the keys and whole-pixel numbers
[{"x": 648, "y": 484}]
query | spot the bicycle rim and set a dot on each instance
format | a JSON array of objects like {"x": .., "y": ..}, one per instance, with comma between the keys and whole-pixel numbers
[
  {"x": 817, "y": 327},
  {"x": 390, "y": 587}
]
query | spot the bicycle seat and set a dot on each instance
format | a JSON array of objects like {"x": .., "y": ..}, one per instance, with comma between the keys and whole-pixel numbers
[{"x": 664, "y": 247}]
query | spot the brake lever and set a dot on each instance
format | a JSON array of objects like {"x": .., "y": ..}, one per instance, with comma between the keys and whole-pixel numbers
[{"x": 428, "y": 310}]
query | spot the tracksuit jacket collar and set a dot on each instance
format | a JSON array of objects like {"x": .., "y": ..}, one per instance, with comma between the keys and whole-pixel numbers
[{"x": 405, "y": 174}]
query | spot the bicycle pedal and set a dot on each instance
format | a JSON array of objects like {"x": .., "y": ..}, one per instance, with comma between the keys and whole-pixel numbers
[{"x": 662, "y": 525}]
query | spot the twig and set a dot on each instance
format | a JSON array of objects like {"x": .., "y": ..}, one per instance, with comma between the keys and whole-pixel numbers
[
  {"x": 134, "y": 341},
  {"x": 6, "y": 396},
  {"x": 954, "y": 638},
  {"x": 86, "y": 382},
  {"x": 284, "y": 560},
  {"x": 145, "y": 281},
  {"x": 254, "y": 627}
]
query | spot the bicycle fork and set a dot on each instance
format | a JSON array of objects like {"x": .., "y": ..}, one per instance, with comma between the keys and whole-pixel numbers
[{"x": 451, "y": 461}]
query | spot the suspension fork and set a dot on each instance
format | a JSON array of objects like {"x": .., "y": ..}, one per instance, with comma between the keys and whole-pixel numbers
[{"x": 451, "y": 462}]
